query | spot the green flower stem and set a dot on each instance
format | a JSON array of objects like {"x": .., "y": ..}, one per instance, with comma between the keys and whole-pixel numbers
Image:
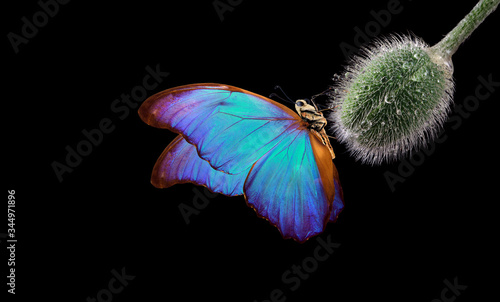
[{"x": 450, "y": 43}]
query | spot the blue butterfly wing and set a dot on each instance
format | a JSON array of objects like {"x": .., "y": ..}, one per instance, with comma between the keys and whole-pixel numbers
[
  {"x": 230, "y": 127},
  {"x": 291, "y": 182},
  {"x": 288, "y": 188},
  {"x": 180, "y": 163}
]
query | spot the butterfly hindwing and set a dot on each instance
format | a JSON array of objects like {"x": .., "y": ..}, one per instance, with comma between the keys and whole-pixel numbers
[{"x": 180, "y": 163}]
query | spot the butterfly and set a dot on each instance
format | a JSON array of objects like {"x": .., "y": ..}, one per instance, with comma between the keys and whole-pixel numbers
[{"x": 236, "y": 142}]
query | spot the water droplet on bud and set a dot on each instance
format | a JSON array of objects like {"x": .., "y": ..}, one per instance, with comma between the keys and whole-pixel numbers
[{"x": 386, "y": 99}]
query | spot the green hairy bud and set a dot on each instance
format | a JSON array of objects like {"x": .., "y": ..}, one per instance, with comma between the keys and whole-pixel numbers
[{"x": 395, "y": 95}]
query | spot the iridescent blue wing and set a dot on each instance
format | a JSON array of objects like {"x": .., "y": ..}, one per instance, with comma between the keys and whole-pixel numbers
[
  {"x": 292, "y": 186},
  {"x": 180, "y": 163},
  {"x": 231, "y": 127}
]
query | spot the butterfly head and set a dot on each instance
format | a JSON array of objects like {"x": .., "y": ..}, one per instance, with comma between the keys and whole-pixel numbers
[
  {"x": 310, "y": 114},
  {"x": 303, "y": 106}
]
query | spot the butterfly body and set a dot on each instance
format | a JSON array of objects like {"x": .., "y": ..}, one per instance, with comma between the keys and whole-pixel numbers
[
  {"x": 315, "y": 120},
  {"x": 236, "y": 142}
]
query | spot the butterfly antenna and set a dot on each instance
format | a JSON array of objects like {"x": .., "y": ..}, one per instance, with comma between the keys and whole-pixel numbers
[
  {"x": 279, "y": 97},
  {"x": 280, "y": 89}
]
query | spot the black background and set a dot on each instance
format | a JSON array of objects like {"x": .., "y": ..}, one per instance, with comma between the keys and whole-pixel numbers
[{"x": 394, "y": 245}]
